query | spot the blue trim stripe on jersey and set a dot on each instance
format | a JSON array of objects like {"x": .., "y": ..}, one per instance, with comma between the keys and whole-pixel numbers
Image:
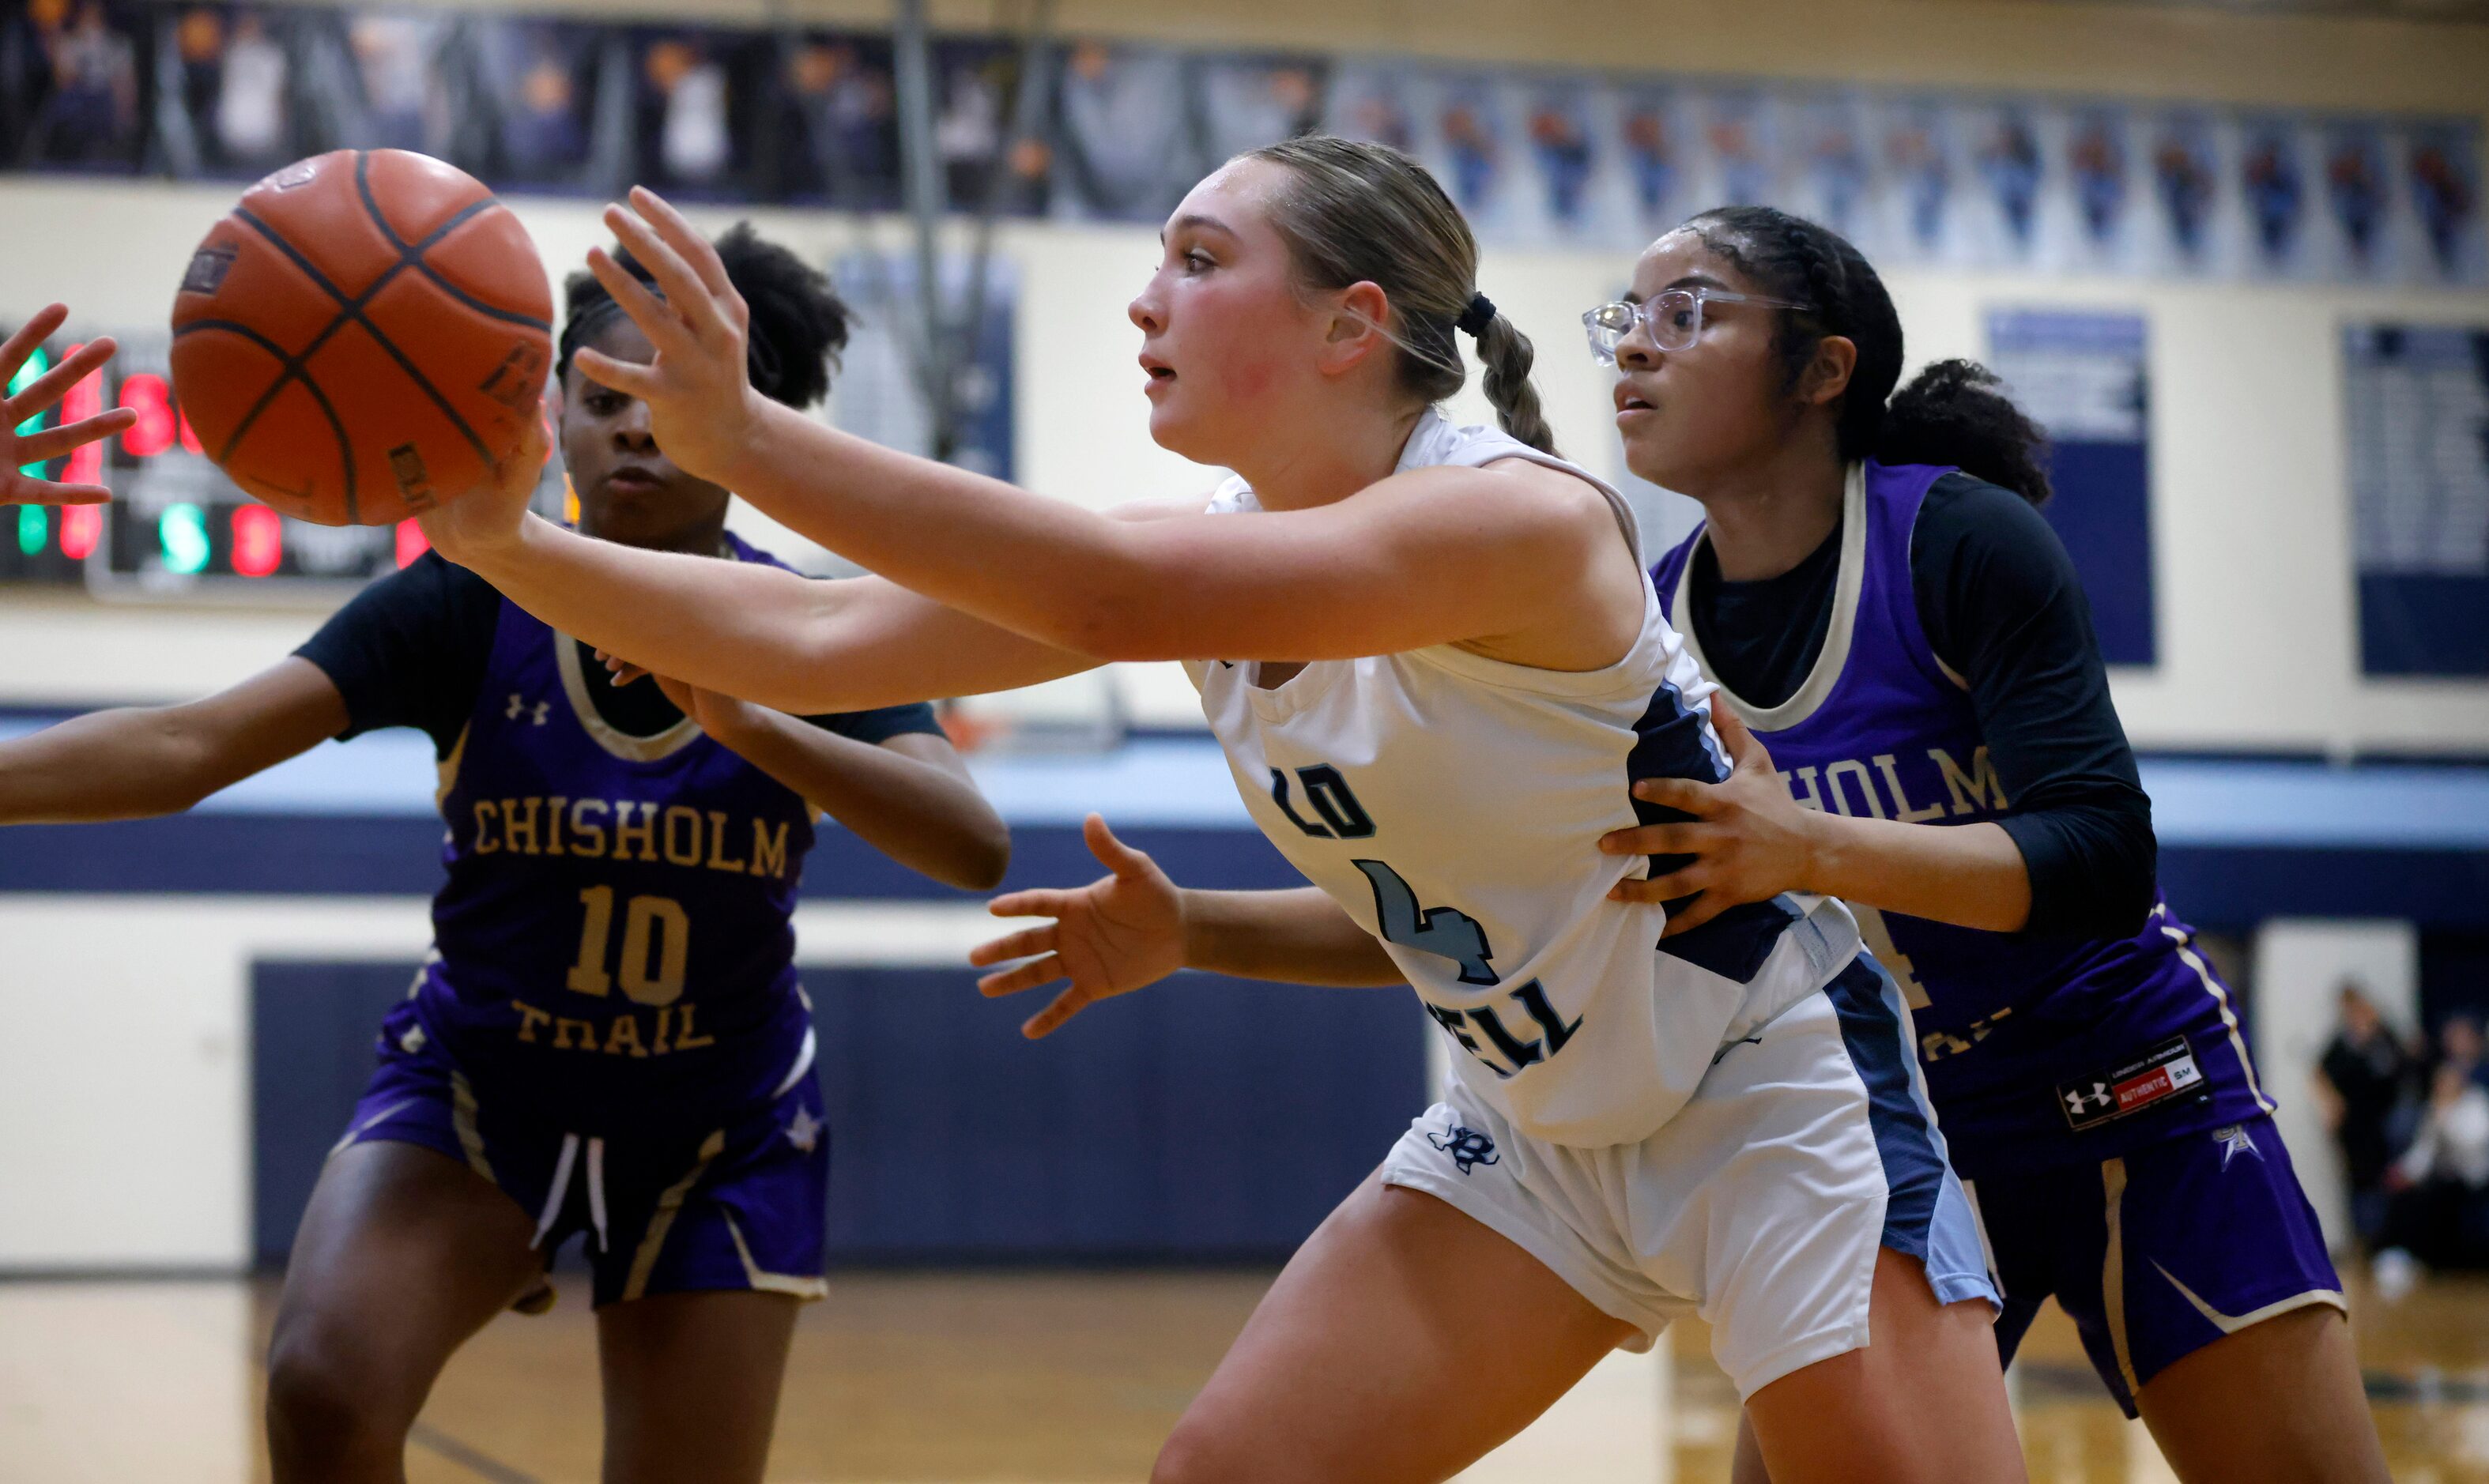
[
  {"x": 1675, "y": 740},
  {"x": 1926, "y": 1215}
]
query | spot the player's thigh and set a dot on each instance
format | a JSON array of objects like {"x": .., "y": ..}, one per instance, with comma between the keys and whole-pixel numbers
[
  {"x": 2309, "y": 1421},
  {"x": 1924, "y": 1399},
  {"x": 1403, "y": 1341},
  {"x": 691, "y": 1383},
  {"x": 403, "y": 1254}
]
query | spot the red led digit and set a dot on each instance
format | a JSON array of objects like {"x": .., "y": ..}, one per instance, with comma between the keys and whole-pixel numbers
[
  {"x": 83, "y": 400},
  {"x": 410, "y": 543},
  {"x": 81, "y": 528},
  {"x": 145, "y": 392},
  {"x": 258, "y": 540}
]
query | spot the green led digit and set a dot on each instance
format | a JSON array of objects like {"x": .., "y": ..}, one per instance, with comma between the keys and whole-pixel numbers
[
  {"x": 33, "y": 531},
  {"x": 182, "y": 534},
  {"x": 35, "y": 365}
]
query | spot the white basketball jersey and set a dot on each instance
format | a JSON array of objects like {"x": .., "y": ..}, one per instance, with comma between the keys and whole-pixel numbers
[{"x": 1451, "y": 804}]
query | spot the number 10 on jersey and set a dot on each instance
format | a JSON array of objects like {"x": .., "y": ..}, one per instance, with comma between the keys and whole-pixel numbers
[{"x": 656, "y": 947}]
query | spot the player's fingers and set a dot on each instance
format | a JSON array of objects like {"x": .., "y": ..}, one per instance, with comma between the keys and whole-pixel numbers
[
  {"x": 1695, "y": 914},
  {"x": 623, "y": 375},
  {"x": 1035, "y": 901},
  {"x": 657, "y": 318},
  {"x": 1026, "y": 976},
  {"x": 1656, "y": 840},
  {"x": 1668, "y": 886},
  {"x": 43, "y": 492},
  {"x": 1071, "y": 1002},
  {"x": 34, "y": 333},
  {"x": 1112, "y": 853},
  {"x": 1745, "y": 749},
  {"x": 1026, "y": 943},
  {"x": 693, "y": 303},
  {"x": 46, "y": 390},
  {"x": 53, "y": 442},
  {"x": 1683, "y": 794},
  {"x": 678, "y": 231}
]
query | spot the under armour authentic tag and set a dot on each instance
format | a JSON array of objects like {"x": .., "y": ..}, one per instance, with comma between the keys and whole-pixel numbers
[{"x": 2160, "y": 1074}]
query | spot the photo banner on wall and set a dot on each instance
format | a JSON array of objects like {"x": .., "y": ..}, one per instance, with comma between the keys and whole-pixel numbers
[
  {"x": 2419, "y": 442},
  {"x": 2081, "y": 376}
]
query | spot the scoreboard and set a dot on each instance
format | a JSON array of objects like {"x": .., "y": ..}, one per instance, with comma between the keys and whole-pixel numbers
[{"x": 177, "y": 528}]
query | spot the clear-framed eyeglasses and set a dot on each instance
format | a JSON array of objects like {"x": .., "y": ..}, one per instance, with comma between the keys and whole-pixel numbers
[{"x": 1674, "y": 317}]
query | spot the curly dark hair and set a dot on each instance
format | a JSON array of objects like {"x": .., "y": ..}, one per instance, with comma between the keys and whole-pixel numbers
[
  {"x": 1953, "y": 413},
  {"x": 798, "y": 325}
]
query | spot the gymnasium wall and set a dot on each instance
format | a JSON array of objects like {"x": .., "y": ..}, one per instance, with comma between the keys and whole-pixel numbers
[
  {"x": 124, "y": 1073},
  {"x": 2257, "y": 614}
]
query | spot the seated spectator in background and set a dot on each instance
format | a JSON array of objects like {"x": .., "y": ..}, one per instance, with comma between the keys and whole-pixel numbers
[
  {"x": 2438, "y": 1215},
  {"x": 2363, "y": 1082}
]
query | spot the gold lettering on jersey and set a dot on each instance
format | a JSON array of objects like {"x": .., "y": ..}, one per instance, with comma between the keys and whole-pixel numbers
[
  {"x": 682, "y": 848},
  {"x": 1802, "y": 785},
  {"x": 529, "y": 1017},
  {"x": 717, "y": 860},
  {"x": 768, "y": 851},
  {"x": 685, "y": 1039},
  {"x": 519, "y": 825},
  {"x": 676, "y": 833},
  {"x": 1853, "y": 768},
  {"x": 592, "y": 836},
  {"x": 638, "y": 1033},
  {"x": 624, "y": 831},
  {"x": 1906, "y": 813},
  {"x": 1936, "y": 1045},
  {"x": 1972, "y": 790}
]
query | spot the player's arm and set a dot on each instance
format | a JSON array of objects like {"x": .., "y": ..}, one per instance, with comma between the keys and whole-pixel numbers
[
  {"x": 908, "y": 794},
  {"x": 1132, "y": 927},
  {"x": 1424, "y": 557},
  {"x": 2000, "y": 600},
  {"x": 140, "y": 761},
  {"x": 745, "y": 629}
]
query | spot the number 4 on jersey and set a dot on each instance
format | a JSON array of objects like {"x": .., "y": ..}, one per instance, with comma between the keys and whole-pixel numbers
[{"x": 1443, "y": 932}]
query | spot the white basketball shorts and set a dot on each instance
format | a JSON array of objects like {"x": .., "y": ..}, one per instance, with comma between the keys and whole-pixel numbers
[{"x": 1759, "y": 1205}]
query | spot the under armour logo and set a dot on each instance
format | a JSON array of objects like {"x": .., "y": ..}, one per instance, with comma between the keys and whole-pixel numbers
[
  {"x": 2235, "y": 1140},
  {"x": 805, "y": 1131},
  {"x": 519, "y": 707},
  {"x": 2099, "y": 1096},
  {"x": 1466, "y": 1147}
]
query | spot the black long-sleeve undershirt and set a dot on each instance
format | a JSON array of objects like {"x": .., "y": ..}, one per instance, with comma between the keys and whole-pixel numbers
[{"x": 2003, "y": 608}]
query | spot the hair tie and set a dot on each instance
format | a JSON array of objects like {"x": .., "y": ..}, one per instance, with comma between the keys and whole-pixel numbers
[{"x": 1475, "y": 319}]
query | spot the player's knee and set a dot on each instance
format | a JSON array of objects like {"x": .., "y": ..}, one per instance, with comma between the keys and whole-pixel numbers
[{"x": 328, "y": 1400}]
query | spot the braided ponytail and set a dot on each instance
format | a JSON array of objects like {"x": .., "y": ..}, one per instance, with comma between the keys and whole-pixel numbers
[
  {"x": 1953, "y": 413},
  {"x": 1506, "y": 355}
]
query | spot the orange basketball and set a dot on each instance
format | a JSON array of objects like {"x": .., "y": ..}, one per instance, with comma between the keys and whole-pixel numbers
[{"x": 362, "y": 336}]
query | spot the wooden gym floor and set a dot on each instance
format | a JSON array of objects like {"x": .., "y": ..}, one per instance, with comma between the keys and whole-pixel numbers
[{"x": 1043, "y": 1378}]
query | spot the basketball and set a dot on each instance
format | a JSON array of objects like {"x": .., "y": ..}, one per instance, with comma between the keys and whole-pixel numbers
[{"x": 362, "y": 336}]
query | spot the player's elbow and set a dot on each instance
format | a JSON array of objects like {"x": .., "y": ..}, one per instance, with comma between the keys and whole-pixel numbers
[{"x": 984, "y": 857}]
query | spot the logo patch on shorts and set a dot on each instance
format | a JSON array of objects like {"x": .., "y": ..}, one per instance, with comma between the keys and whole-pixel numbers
[
  {"x": 2235, "y": 1140},
  {"x": 2131, "y": 1086},
  {"x": 1466, "y": 1147}
]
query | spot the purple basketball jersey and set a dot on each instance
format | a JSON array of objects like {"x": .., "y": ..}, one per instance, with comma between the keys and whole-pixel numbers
[
  {"x": 2036, "y": 1048},
  {"x": 613, "y": 949}
]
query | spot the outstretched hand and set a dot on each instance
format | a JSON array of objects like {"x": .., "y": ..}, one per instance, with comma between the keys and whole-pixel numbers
[
  {"x": 702, "y": 406},
  {"x": 491, "y": 514},
  {"x": 1750, "y": 841},
  {"x": 1119, "y": 933},
  {"x": 19, "y": 449}
]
